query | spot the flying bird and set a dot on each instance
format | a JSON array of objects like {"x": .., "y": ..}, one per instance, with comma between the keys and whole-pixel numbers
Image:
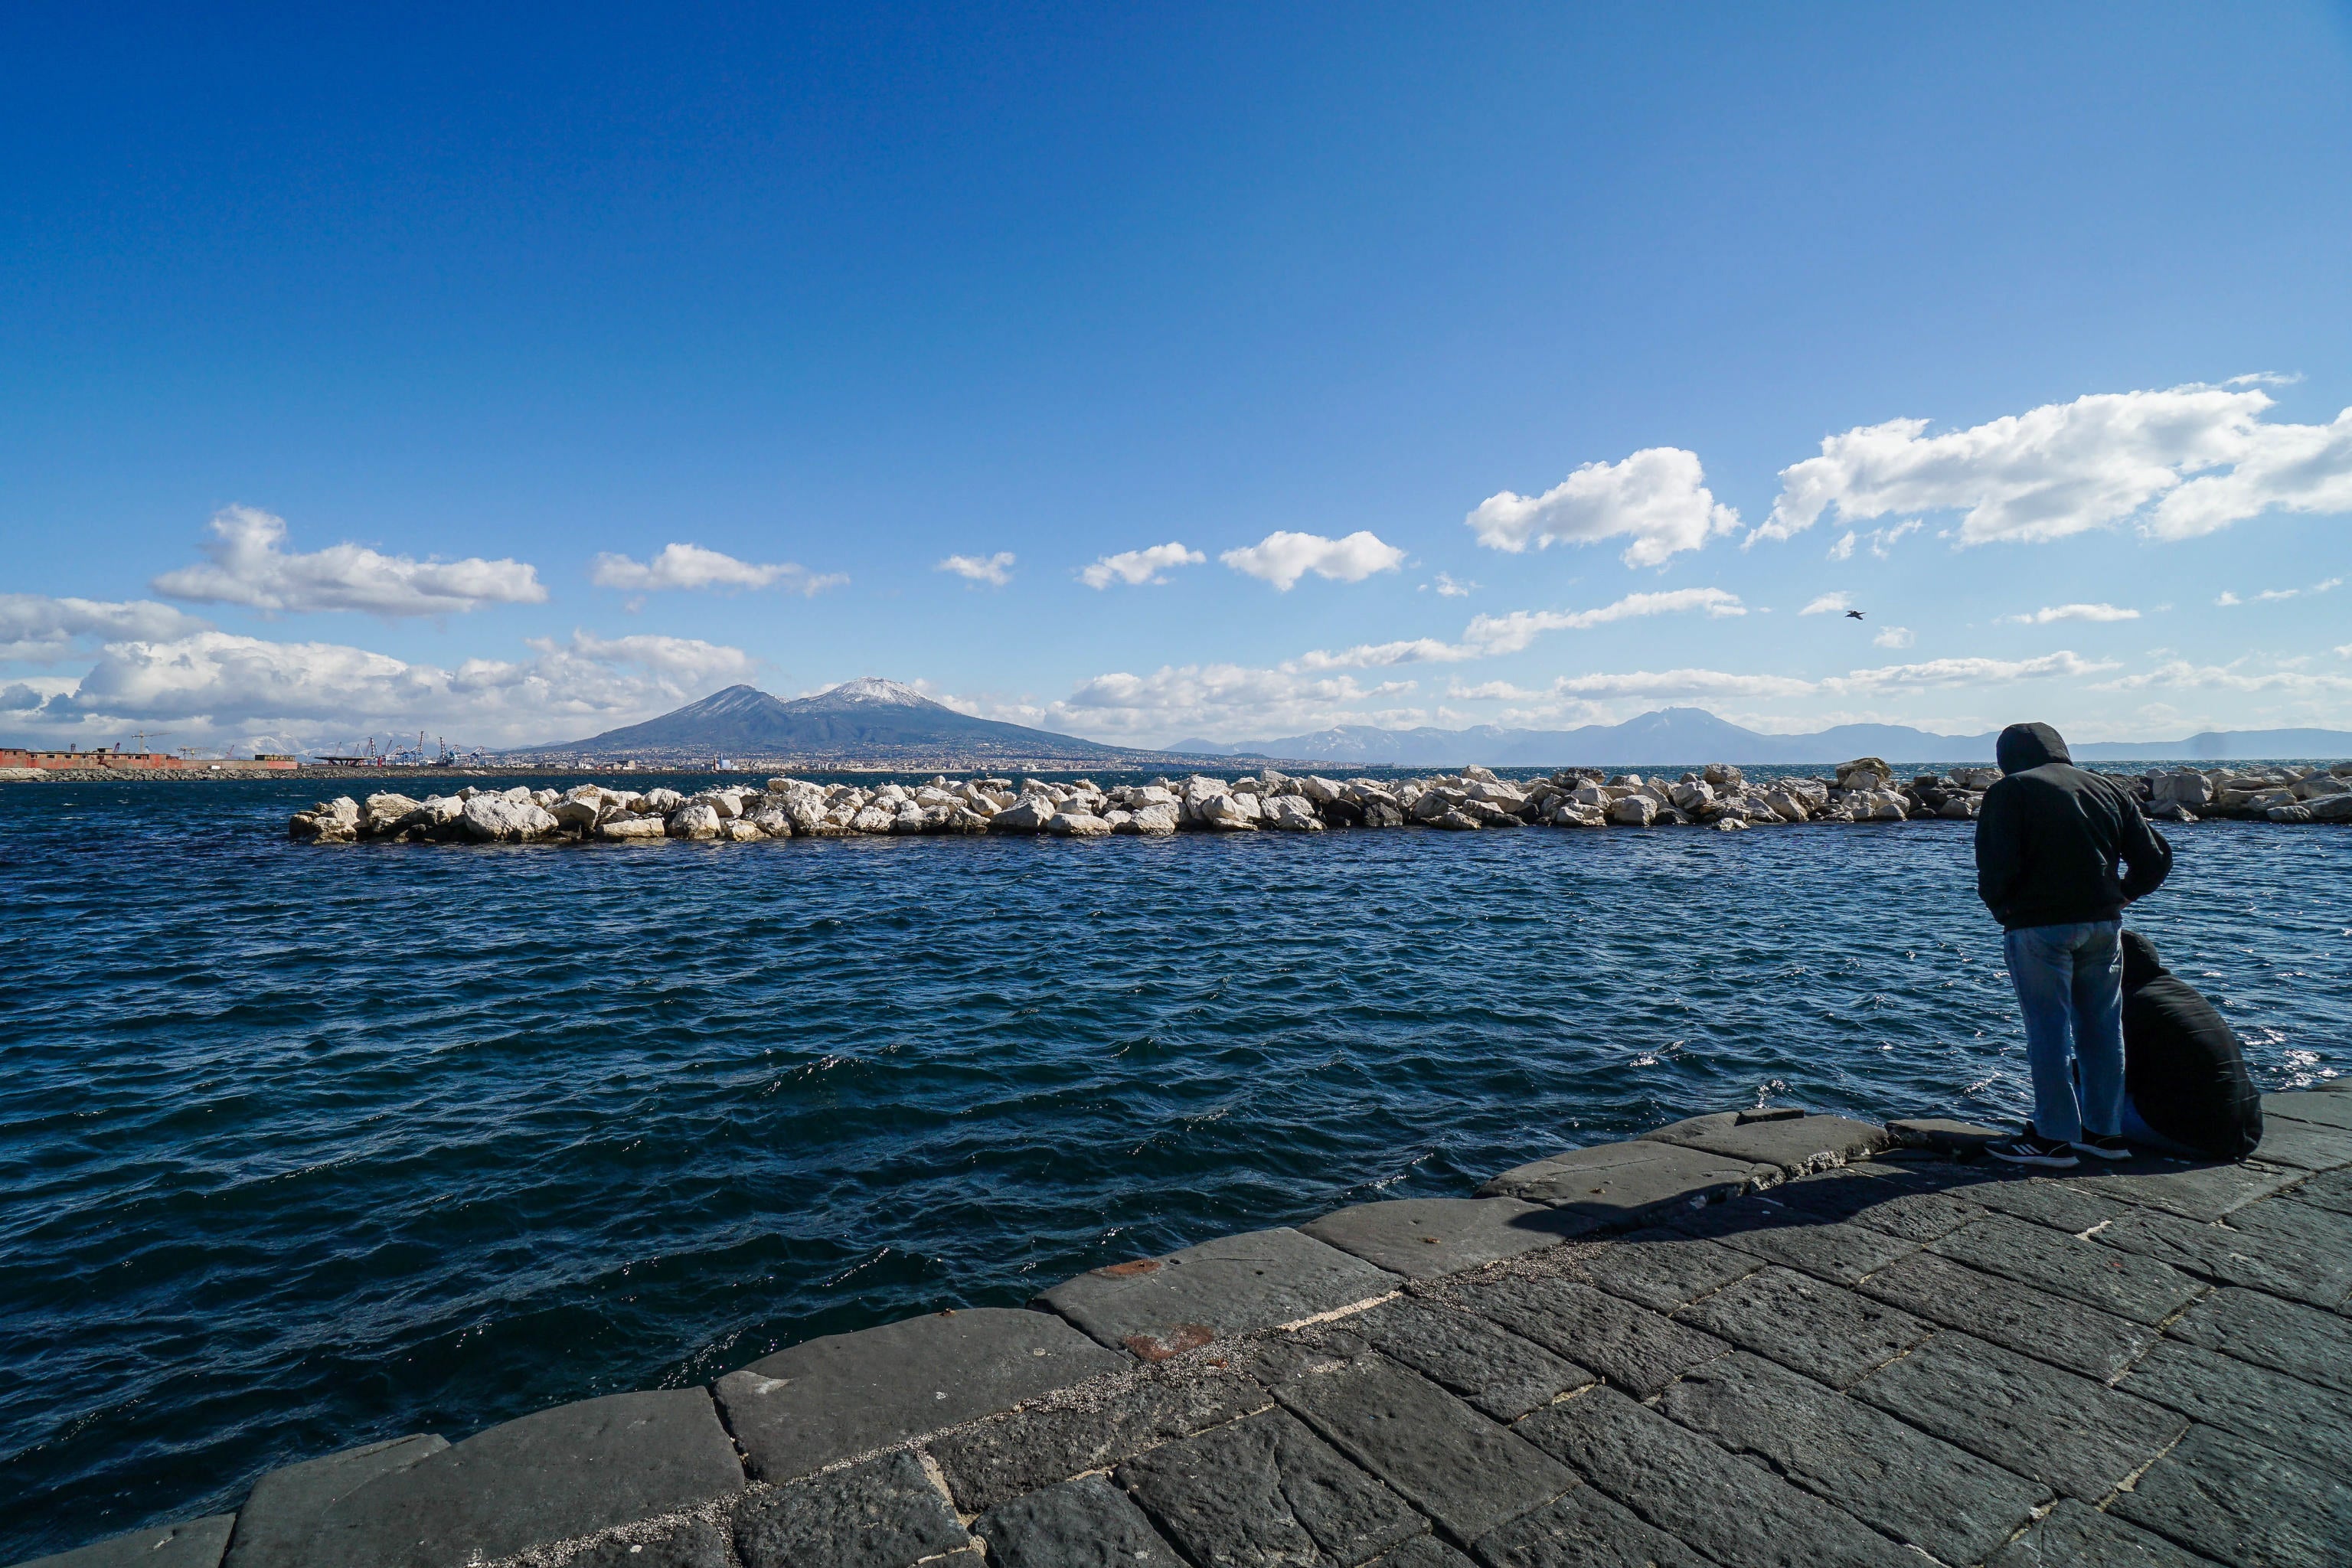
[{"x": 1853, "y": 614}]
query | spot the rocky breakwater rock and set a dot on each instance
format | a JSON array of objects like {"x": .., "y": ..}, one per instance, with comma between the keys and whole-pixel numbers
[{"x": 2296, "y": 793}]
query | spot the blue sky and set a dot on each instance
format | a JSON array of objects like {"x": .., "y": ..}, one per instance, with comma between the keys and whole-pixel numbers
[{"x": 516, "y": 376}]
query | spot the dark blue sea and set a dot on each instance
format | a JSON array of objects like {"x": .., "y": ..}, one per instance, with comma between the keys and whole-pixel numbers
[{"x": 302, "y": 1147}]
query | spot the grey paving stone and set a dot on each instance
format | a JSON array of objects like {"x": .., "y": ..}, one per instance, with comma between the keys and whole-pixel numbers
[
  {"x": 2073, "y": 1536},
  {"x": 1585, "y": 1527},
  {"x": 1462, "y": 1469},
  {"x": 1818, "y": 1329},
  {"x": 553, "y": 1476},
  {"x": 2330, "y": 1190},
  {"x": 2070, "y": 1434},
  {"x": 2315, "y": 1267},
  {"x": 1828, "y": 1249},
  {"x": 805, "y": 1408},
  {"x": 2296, "y": 1418},
  {"x": 1942, "y": 1134},
  {"x": 2061, "y": 1206},
  {"x": 1421, "y": 1552},
  {"x": 2048, "y": 1328},
  {"x": 195, "y": 1544},
  {"x": 995, "y": 1461},
  {"x": 2256, "y": 1327},
  {"x": 884, "y": 1513},
  {"x": 2129, "y": 1286},
  {"x": 688, "y": 1543},
  {"x": 274, "y": 1527},
  {"x": 1912, "y": 1486},
  {"x": 1663, "y": 1269},
  {"x": 1796, "y": 1144},
  {"x": 1631, "y": 1346},
  {"x": 1498, "y": 1371},
  {"x": 1424, "y": 1237},
  {"x": 1899, "y": 1204},
  {"x": 1158, "y": 1307},
  {"x": 1618, "y": 1187},
  {"x": 2323, "y": 1110},
  {"x": 2303, "y": 1145},
  {"x": 1268, "y": 1493},
  {"x": 2238, "y": 1502},
  {"x": 1084, "y": 1523},
  {"x": 2194, "y": 1192},
  {"x": 1732, "y": 1509}
]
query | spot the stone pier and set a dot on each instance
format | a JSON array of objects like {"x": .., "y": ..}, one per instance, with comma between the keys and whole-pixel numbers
[{"x": 1756, "y": 1339}]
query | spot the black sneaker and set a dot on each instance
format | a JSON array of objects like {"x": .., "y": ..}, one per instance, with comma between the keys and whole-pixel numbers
[
  {"x": 2103, "y": 1146},
  {"x": 2032, "y": 1149}
]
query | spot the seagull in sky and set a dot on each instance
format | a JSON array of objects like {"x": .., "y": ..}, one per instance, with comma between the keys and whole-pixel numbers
[{"x": 1853, "y": 614}]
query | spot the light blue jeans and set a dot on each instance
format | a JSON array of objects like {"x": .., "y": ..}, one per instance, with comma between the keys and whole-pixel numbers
[{"x": 2070, "y": 986}]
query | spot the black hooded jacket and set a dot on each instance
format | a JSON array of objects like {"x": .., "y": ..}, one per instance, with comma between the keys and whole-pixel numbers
[
  {"x": 2050, "y": 837},
  {"x": 2183, "y": 1067}
]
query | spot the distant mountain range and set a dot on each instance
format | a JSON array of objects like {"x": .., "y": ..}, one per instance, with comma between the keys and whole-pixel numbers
[{"x": 1686, "y": 735}]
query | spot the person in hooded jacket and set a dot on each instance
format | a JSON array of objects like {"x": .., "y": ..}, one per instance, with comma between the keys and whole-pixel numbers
[
  {"x": 2060, "y": 852},
  {"x": 2186, "y": 1091}
]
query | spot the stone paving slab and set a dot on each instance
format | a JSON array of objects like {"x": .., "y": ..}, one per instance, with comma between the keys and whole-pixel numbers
[
  {"x": 2262, "y": 1259},
  {"x": 884, "y": 1513},
  {"x": 1663, "y": 1269},
  {"x": 197, "y": 1544},
  {"x": 2071, "y": 1434},
  {"x": 1265, "y": 1492},
  {"x": 2073, "y": 1536},
  {"x": 1631, "y": 1346},
  {"x": 1423, "y": 1237},
  {"x": 2059, "y": 1204},
  {"x": 1158, "y": 1307},
  {"x": 2330, "y": 1190},
  {"x": 1498, "y": 1372},
  {"x": 1942, "y": 1134},
  {"x": 1796, "y": 1145},
  {"x": 2018, "y": 1316},
  {"x": 2297, "y": 1418},
  {"x": 832, "y": 1398},
  {"x": 2252, "y": 1326},
  {"x": 2321, "y": 1108},
  {"x": 1824, "y": 1332},
  {"x": 1827, "y": 1249},
  {"x": 1898, "y": 1206},
  {"x": 1732, "y": 1509},
  {"x": 1460, "y": 1468},
  {"x": 2238, "y": 1502},
  {"x": 1912, "y": 1486},
  {"x": 1097, "y": 1428},
  {"x": 274, "y": 1527},
  {"x": 2193, "y": 1191},
  {"x": 1082, "y": 1523},
  {"x": 1620, "y": 1186},
  {"x": 1421, "y": 1552},
  {"x": 688, "y": 1543},
  {"x": 2126, "y": 1284},
  {"x": 554, "y": 1475},
  {"x": 1585, "y": 1527},
  {"x": 2303, "y": 1145}
]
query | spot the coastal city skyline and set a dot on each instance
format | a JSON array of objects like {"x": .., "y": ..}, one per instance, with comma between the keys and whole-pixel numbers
[{"x": 1528, "y": 371}]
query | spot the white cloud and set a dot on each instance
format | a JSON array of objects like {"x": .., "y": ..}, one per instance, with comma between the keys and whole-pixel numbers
[
  {"x": 2234, "y": 677},
  {"x": 1490, "y": 691},
  {"x": 1222, "y": 701},
  {"x": 2273, "y": 595},
  {"x": 1653, "y": 685},
  {"x": 1893, "y": 636},
  {"x": 39, "y": 629},
  {"x": 1487, "y": 635},
  {"x": 223, "y": 688},
  {"x": 1843, "y": 549},
  {"x": 2049, "y": 613},
  {"x": 1282, "y": 558},
  {"x": 1882, "y": 540},
  {"x": 2064, "y": 468},
  {"x": 1375, "y": 655},
  {"x": 1967, "y": 672},
  {"x": 1138, "y": 566},
  {"x": 995, "y": 569},
  {"x": 248, "y": 567},
  {"x": 691, "y": 566},
  {"x": 1448, "y": 588},
  {"x": 1657, "y": 498},
  {"x": 1828, "y": 604}
]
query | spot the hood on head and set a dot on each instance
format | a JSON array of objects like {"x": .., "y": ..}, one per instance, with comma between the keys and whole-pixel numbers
[
  {"x": 2140, "y": 963},
  {"x": 2023, "y": 746}
]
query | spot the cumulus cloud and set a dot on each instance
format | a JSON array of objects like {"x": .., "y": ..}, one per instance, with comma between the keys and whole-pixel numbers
[
  {"x": 995, "y": 570},
  {"x": 1653, "y": 685},
  {"x": 1893, "y": 636},
  {"x": 1882, "y": 540},
  {"x": 2049, "y": 613},
  {"x": 1828, "y": 604},
  {"x": 1968, "y": 672},
  {"x": 1282, "y": 558},
  {"x": 1843, "y": 549},
  {"x": 1657, "y": 498},
  {"x": 227, "y": 687},
  {"x": 2273, "y": 595},
  {"x": 691, "y": 566},
  {"x": 2065, "y": 468},
  {"x": 1448, "y": 588},
  {"x": 1139, "y": 566},
  {"x": 1487, "y": 635},
  {"x": 1489, "y": 691},
  {"x": 2238, "y": 678},
  {"x": 1219, "y": 700},
  {"x": 249, "y": 566},
  {"x": 38, "y": 629}
]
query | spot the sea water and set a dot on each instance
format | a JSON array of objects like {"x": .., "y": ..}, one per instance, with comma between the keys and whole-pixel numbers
[{"x": 302, "y": 1147}]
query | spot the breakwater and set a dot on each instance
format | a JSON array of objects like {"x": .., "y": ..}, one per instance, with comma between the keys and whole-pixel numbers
[{"x": 1719, "y": 796}]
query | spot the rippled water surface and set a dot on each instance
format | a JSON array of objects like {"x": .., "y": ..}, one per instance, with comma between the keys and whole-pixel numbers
[{"x": 304, "y": 1147}]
